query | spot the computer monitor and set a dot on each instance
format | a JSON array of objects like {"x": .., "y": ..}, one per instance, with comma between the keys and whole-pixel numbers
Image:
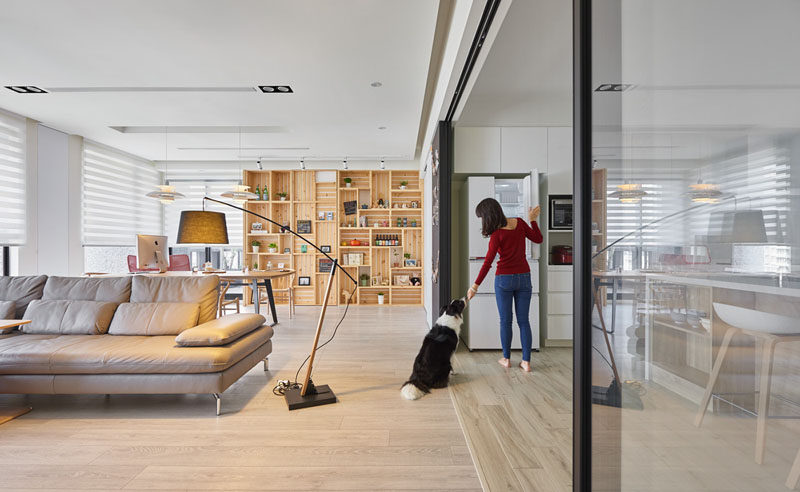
[{"x": 151, "y": 252}]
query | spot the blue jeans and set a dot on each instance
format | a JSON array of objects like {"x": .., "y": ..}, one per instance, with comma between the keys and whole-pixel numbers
[{"x": 517, "y": 288}]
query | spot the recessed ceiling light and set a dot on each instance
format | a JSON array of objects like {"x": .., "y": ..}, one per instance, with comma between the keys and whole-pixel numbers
[
  {"x": 613, "y": 87},
  {"x": 381, "y": 128},
  {"x": 26, "y": 89},
  {"x": 376, "y": 84},
  {"x": 272, "y": 89}
]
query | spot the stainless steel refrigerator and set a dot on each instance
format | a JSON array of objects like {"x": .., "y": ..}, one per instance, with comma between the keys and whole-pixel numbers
[{"x": 482, "y": 321}]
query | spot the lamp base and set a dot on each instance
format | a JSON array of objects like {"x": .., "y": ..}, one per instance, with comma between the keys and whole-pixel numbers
[{"x": 316, "y": 396}]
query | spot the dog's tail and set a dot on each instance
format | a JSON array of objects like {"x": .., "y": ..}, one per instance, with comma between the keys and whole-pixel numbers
[{"x": 411, "y": 391}]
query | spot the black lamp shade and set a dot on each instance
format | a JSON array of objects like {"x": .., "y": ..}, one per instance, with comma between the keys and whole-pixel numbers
[{"x": 202, "y": 227}]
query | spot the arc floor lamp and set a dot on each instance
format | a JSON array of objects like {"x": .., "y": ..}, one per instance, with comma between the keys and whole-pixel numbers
[{"x": 207, "y": 227}]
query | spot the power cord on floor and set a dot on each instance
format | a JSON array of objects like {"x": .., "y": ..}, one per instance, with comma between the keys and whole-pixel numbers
[{"x": 285, "y": 384}]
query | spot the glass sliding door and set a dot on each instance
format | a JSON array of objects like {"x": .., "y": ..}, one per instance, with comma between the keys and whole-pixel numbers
[{"x": 687, "y": 245}]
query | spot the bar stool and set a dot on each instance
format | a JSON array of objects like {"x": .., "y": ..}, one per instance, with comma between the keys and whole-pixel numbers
[{"x": 771, "y": 329}]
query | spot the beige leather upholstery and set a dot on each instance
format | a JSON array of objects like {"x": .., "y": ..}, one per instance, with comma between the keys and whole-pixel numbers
[
  {"x": 112, "y": 289},
  {"x": 22, "y": 290},
  {"x": 201, "y": 289},
  {"x": 210, "y": 382},
  {"x": 220, "y": 331},
  {"x": 59, "y": 317},
  {"x": 154, "y": 318},
  {"x": 109, "y": 354},
  {"x": 8, "y": 309}
]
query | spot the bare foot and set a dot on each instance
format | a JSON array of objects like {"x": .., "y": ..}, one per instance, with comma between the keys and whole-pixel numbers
[
  {"x": 525, "y": 365},
  {"x": 504, "y": 362}
]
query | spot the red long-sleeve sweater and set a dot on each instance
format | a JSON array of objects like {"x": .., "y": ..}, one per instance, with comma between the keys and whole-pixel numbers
[{"x": 510, "y": 243}]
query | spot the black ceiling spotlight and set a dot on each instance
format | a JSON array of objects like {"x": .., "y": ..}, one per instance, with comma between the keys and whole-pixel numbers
[
  {"x": 302, "y": 163},
  {"x": 613, "y": 87},
  {"x": 344, "y": 163},
  {"x": 275, "y": 89},
  {"x": 26, "y": 89}
]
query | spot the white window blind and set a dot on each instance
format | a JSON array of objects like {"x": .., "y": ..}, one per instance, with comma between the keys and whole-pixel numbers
[
  {"x": 115, "y": 207},
  {"x": 12, "y": 180},
  {"x": 195, "y": 190}
]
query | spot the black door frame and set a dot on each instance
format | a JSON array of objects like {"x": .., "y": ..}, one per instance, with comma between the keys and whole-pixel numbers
[{"x": 582, "y": 270}]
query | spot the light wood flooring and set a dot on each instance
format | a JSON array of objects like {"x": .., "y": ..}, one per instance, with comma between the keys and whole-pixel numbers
[
  {"x": 518, "y": 425},
  {"x": 371, "y": 440}
]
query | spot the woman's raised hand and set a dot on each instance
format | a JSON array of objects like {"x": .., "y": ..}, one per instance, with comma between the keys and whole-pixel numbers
[{"x": 533, "y": 213}]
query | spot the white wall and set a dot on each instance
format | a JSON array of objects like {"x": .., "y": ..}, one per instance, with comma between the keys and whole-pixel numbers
[{"x": 54, "y": 204}]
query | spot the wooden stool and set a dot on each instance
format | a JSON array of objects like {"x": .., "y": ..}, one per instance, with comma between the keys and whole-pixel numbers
[
  {"x": 224, "y": 303},
  {"x": 771, "y": 329}
]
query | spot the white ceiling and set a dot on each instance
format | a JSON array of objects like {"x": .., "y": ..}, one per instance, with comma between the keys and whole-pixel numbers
[
  {"x": 527, "y": 77},
  {"x": 329, "y": 52}
]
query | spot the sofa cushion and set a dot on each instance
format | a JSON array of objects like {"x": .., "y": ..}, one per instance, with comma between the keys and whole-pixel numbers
[
  {"x": 8, "y": 309},
  {"x": 22, "y": 290},
  {"x": 107, "y": 354},
  {"x": 154, "y": 318},
  {"x": 111, "y": 289},
  {"x": 61, "y": 317},
  {"x": 220, "y": 331},
  {"x": 202, "y": 289}
]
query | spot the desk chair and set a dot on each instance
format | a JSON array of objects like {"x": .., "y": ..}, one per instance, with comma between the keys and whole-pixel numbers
[
  {"x": 288, "y": 291},
  {"x": 771, "y": 329},
  {"x": 226, "y": 304}
]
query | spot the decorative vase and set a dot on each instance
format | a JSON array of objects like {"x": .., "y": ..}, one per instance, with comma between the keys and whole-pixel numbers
[
  {"x": 283, "y": 198},
  {"x": 347, "y": 185},
  {"x": 402, "y": 187},
  {"x": 255, "y": 249},
  {"x": 273, "y": 250},
  {"x": 380, "y": 299}
]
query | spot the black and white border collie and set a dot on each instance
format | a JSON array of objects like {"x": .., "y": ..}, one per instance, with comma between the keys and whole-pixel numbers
[{"x": 432, "y": 366}]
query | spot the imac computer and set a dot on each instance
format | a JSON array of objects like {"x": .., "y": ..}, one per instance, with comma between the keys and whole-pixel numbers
[{"x": 151, "y": 252}]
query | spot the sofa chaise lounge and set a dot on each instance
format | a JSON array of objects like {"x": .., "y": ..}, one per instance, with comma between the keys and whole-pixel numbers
[{"x": 125, "y": 335}]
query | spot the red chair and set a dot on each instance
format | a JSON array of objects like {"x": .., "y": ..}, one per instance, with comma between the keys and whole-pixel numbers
[{"x": 177, "y": 263}]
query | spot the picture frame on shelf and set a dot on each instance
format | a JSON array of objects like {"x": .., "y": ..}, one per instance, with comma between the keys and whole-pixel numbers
[
  {"x": 402, "y": 280},
  {"x": 377, "y": 280},
  {"x": 325, "y": 248},
  {"x": 410, "y": 263},
  {"x": 304, "y": 281},
  {"x": 281, "y": 266},
  {"x": 287, "y": 251},
  {"x": 325, "y": 265},
  {"x": 320, "y": 215},
  {"x": 257, "y": 227},
  {"x": 304, "y": 226},
  {"x": 329, "y": 216}
]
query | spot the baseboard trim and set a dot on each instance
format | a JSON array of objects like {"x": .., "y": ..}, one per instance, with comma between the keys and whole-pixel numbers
[{"x": 557, "y": 342}]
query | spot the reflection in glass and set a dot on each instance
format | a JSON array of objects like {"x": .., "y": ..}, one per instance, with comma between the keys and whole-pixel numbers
[{"x": 698, "y": 291}]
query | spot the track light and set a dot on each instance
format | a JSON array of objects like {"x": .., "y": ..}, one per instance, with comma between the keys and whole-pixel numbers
[
  {"x": 302, "y": 164},
  {"x": 258, "y": 163},
  {"x": 344, "y": 164},
  {"x": 383, "y": 166}
]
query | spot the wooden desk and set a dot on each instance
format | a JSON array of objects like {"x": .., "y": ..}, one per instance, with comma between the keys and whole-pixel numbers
[{"x": 251, "y": 277}]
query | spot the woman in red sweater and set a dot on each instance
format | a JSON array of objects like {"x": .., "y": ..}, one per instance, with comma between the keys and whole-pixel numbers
[{"x": 512, "y": 283}]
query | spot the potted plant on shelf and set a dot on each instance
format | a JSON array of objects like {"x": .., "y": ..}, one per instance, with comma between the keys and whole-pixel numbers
[
  {"x": 255, "y": 245},
  {"x": 380, "y": 297},
  {"x": 283, "y": 195},
  {"x": 272, "y": 248},
  {"x": 364, "y": 279},
  {"x": 403, "y": 185},
  {"x": 255, "y": 267},
  {"x": 348, "y": 182}
]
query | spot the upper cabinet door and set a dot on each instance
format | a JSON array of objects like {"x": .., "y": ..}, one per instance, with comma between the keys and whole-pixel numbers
[
  {"x": 523, "y": 149},
  {"x": 559, "y": 161},
  {"x": 478, "y": 188},
  {"x": 477, "y": 150}
]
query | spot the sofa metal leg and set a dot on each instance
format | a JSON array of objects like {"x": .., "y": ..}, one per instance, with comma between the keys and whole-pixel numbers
[
  {"x": 218, "y": 398},
  {"x": 266, "y": 364}
]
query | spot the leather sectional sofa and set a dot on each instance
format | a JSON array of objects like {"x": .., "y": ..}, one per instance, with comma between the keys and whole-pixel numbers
[{"x": 125, "y": 335}]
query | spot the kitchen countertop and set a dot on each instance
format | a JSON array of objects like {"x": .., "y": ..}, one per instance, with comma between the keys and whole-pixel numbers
[{"x": 760, "y": 283}]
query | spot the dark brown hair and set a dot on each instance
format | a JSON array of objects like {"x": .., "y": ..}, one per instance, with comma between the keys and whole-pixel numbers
[{"x": 491, "y": 215}]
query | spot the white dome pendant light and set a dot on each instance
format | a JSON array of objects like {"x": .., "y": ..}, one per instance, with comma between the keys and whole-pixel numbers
[
  {"x": 166, "y": 194},
  {"x": 240, "y": 193}
]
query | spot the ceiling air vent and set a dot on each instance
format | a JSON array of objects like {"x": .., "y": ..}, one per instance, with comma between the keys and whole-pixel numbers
[
  {"x": 26, "y": 89},
  {"x": 275, "y": 89}
]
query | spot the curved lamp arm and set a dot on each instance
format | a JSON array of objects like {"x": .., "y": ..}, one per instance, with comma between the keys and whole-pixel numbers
[{"x": 283, "y": 228}]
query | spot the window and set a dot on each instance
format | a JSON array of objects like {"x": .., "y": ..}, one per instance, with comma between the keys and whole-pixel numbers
[
  {"x": 115, "y": 208},
  {"x": 12, "y": 179}
]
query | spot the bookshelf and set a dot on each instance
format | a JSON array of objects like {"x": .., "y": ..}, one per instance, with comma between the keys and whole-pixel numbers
[{"x": 384, "y": 209}]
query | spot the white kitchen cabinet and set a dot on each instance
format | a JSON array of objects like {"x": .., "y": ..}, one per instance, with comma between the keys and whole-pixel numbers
[
  {"x": 523, "y": 149},
  {"x": 559, "y": 302},
  {"x": 559, "y": 161},
  {"x": 477, "y": 149}
]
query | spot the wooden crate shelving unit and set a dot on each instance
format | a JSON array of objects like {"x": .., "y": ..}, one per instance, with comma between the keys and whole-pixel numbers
[{"x": 324, "y": 191}]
